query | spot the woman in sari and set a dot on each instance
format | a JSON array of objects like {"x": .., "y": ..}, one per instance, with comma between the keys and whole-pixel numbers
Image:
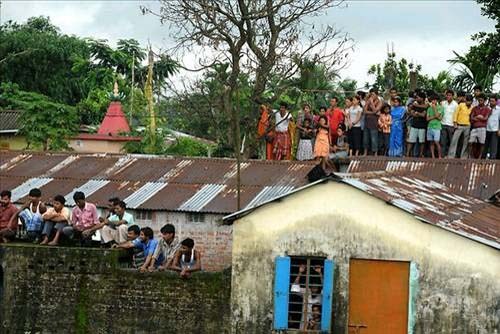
[
  {"x": 265, "y": 134},
  {"x": 396, "y": 137}
]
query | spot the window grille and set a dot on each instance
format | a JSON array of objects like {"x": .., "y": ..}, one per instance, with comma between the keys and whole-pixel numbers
[
  {"x": 195, "y": 217},
  {"x": 144, "y": 215},
  {"x": 303, "y": 294}
]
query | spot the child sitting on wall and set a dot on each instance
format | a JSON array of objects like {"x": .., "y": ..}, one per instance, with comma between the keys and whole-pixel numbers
[{"x": 187, "y": 259}]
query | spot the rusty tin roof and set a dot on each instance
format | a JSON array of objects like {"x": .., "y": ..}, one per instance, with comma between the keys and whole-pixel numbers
[
  {"x": 479, "y": 178},
  {"x": 433, "y": 203},
  {"x": 148, "y": 182}
]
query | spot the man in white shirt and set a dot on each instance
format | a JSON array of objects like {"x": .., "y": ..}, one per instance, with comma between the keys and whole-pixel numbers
[
  {"x": 450, "y": 106},
  {"x": 282, "y": 146},
  {"x": 492, "y": 129},
  {"x": 116, "y": 226}
]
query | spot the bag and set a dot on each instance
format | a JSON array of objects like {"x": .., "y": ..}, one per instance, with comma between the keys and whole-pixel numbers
[{"x": 269, "y": 137}]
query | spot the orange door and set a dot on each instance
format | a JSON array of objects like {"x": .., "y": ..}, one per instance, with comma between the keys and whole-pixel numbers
[{"x": 378, "y": 296}]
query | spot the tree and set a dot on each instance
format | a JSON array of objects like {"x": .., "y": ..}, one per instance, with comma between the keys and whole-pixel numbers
[
  {"x": 396, "y": 73},
  {"x": 44, "y": 122},
  {"x": 481, "y": 64},
  {"x": 260, "y": 38},
  {"x": 37, "y": 57}
]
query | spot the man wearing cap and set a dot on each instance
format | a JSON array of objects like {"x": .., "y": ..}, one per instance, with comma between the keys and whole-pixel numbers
[{"x": 167, "y": 246}]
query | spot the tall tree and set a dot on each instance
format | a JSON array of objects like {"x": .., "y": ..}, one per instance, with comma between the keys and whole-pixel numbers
[
  {"x": 44, "y": 123},
  {"x": 481, "y": 64},
  {"x": 39, "y": 58},
  {"x": 259, "y": 37}
]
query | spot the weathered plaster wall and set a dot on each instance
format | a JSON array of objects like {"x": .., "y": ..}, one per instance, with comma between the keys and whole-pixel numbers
[
  {"x": 72, "y": 290},
  {"x": 12, "y": 142},
  {"x": 459, "y": 278}
]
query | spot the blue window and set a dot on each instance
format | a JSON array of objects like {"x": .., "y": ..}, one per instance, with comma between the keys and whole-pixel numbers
[{"x": 303, "y": 288}]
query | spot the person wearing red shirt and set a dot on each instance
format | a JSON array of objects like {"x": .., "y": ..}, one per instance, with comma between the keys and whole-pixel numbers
[
  {"x": 335, "y": 117},
  {"x": 8, "y": 225},
  {"x": 479, "y": 119}
]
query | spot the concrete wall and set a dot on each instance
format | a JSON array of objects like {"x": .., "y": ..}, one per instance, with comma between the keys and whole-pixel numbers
[
  {"x": 12, "y": 142},
  {"x": 96, "y": 146},
  {"x": 72, "y": 290},
  {"x": 459, "y": 285}
]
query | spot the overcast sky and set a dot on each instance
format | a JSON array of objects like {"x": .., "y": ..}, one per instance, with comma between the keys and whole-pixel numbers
[{"x": 423, "y": 31}]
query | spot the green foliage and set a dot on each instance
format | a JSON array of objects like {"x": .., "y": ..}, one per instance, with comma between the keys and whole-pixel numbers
[
  {"x": 481, "y": 64},
  {"x": 188, "y": 147},
  {"x": 93, "y": 108},
  {"x": 44, "y": 122},
  {"x": 37, "y": 57},
  {"x": 71, "y": 70},
  {"x": 199, "y": 111},
  {"x": 396, "y": 73}
]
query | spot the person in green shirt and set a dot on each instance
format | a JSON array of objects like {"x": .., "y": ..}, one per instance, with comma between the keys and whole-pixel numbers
[{"x": 434, "y": 115}]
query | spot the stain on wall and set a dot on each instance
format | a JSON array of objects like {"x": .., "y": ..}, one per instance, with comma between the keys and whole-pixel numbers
[{"x": 459, "y": 291}]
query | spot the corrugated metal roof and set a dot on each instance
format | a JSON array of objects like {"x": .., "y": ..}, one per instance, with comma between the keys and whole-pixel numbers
[
  {"x": 434, "y": 203},
  {"x": 226, "y": 200},
  {"x": 202, "y": 197},
  {"x": 479, "y": 178},
  {"x": 172, "y": 197},
  {"x": 120, "y": 189},
  {"x": 88, "y": 167},
  {"x": 155, "y": 182},
  {"x": 30, "y": 165},
  {"x": 24, "y": 188},
  {"x": 144, "y": 193},
  {"x": 88, "y": 188},
  {"x": 268, "y": 194}
]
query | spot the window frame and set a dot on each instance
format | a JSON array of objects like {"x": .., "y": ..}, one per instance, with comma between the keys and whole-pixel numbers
[
  {"x": 282, "y": 290},
  {"x": 139, "y": 215},
  {"x": 195, "y": 217}
]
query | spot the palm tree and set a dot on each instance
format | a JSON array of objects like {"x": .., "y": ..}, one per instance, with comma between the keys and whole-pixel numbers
[{"x": 473, "y": 71}]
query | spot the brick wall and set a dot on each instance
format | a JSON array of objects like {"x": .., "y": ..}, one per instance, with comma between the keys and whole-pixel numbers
[
  {"x": 211, "y": 238},
  {"x": 74, "y": 290}
]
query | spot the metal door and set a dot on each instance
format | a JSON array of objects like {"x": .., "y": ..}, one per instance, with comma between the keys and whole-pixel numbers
[{"x": 378, "y": 296}]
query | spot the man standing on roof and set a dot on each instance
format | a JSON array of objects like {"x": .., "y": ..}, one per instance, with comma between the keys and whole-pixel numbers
[
  {"x": 84, "y": 220},
  {"x": 282, "y": 147},
  {"x": 116, "y": 226}
]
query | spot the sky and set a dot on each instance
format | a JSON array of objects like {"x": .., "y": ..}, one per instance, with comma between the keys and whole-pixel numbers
[{"x": 425, "y": 32}]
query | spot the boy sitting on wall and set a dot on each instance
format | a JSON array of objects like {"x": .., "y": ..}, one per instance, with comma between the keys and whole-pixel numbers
[
  {"x": 31, "y": 215},
  {"x": 187, "y": 259},
  {"x": 59, "y": 216}
]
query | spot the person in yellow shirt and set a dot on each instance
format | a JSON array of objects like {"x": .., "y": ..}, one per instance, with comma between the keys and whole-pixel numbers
[{"x": 461, "y": 122}]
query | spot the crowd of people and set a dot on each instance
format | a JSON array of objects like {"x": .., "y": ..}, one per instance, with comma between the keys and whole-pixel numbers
[
  {"x": 427, "y": 124},
  {"x": 51, "y": 224}
]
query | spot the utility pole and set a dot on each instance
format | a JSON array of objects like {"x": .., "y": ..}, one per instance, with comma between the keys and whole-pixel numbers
[
  {"x": 148, "y": 91},
  {"x": 132, "y": 90},
  {"x": 238, "y": 148}
]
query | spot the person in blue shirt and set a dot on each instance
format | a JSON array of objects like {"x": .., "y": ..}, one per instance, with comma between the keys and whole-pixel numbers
[{"x": 147, "y": 244}]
